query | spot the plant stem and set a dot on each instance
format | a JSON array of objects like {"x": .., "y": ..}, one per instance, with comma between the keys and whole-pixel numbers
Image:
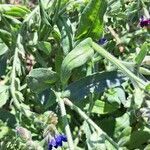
[
  {"x": 115, "y": 35},
  {"x": 91, "y": 122},
  {"x": 65, "y": 121},
  {"x": 116, "y": 62},
  {"x": 118, "y": 40}
]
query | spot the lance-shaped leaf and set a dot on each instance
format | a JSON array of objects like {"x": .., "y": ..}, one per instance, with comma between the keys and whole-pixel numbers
[
  {"x": 40, "y": 79},
  {"x": 5, "y": 37},
  {"x": 77, "y": 57},
  {"x": 91, "y": 21},
  {"x": 95, "y": 83},
  {"x": 140, "y": 57},
  {"x": 13, "y": 10}
]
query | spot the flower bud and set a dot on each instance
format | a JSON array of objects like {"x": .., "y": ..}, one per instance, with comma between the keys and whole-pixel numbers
[{"x": 24, "y": 134}]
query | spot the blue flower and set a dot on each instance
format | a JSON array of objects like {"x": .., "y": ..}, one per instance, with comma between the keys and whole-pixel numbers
[
  {"x": 102, "y": 41},
  {"x": 144, "y": 22},
  {"x": 57, "y": 141}
]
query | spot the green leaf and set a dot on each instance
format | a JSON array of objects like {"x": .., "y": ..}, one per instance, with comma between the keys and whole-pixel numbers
[
  {"x": 120, "y": 94},
  {"x": 101, "y": 107},
  {"x": 14, "y": 10},
  {"x": 19, "y": 95},
  {"x": 95, "y": 83},
  {"x": 144, "y": 49},
  {"x": 147, "y": 147},
  {"x": 44, "y": 15},
  {"x": 96, "y": 142},
  {"x": 4, "y": 95},
  {"x": 45, "y": 47},
  {"x": 125, "y": 136},
  {"x": 121, "y": 123},
  {"x": 147, "y": 88},
  {"x": 5, "y": 36},
  {"x": 47, "y": 98},
  {"x": 138, "y": 97},
  {"x": 65, "y": 29},
  {"x": 144, "y": 71},
  {"x": 115, "y": 126},
  {"x": 138, "y": 138},
  {"x": 41, "y": 78},
  {"x": 77, "y": 57},
  {"x": 3, "y": 48},
  {"x": 91, "y": 21},
  {"x": 8, "y": 118},
  {"x": 4, "y": 131},
  {"x": 115, "y": 96}
]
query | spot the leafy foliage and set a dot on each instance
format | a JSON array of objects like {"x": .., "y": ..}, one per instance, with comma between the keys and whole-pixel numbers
[{"x": 53, "y": 68}]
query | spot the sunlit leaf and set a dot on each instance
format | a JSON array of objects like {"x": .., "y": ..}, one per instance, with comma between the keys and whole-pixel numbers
[
  {"x": 91, "y": 21},
  {"x": 96, "y": 83}
]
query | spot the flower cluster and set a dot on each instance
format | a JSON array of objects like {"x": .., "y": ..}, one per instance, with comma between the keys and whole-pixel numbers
[
  {"x": 53, "y": 137},
  {"x": 51, "y": 134},
  {"x": 144, "y": 22},
  {"x": 57, "y": 141},
  {"x": 102, "y": 41}
]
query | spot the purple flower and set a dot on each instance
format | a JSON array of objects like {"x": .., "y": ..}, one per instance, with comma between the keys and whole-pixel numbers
[
  {"x": 144, "y": 22},
  {"x": 102, "y": 41},
  {"x": 56, "y": 141}
]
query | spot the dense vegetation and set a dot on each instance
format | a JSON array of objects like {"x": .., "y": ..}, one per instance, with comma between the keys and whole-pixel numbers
[{"x": 74, "y": 74}]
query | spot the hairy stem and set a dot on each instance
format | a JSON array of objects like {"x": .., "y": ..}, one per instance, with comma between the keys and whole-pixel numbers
[
  {"x": 65, "y": 121},
  {"x": 91, "y": 122},
  {"x": 115, "y": 35},
  {"x": 117, "y": 63}
]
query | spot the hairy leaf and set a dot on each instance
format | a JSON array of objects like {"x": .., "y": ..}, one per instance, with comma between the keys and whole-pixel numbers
[
  {"x": 77, "y": 57},
  {"x": 41, "y": 78},
  {"x": 94, "y": 83}
]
